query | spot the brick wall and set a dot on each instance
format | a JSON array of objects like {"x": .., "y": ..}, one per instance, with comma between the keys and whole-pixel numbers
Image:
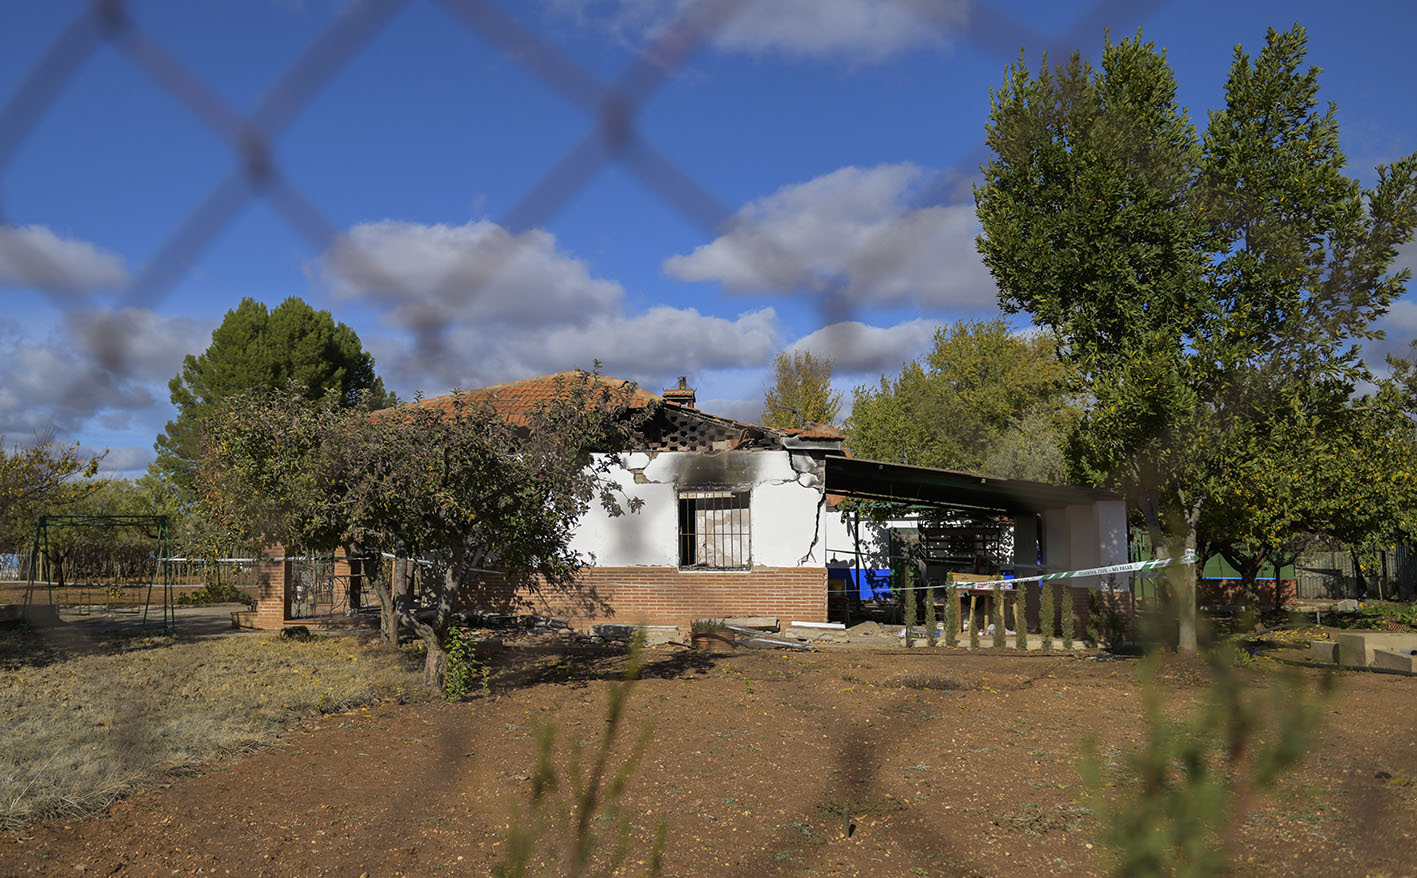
[
  {"x": 272, "y": 598},
  {"x": 1232, "y": 592},
  {"x": 667, "y": 595}
]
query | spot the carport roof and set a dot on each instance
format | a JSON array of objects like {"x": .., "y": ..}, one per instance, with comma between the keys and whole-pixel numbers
[{"x": 899, "y": 483}]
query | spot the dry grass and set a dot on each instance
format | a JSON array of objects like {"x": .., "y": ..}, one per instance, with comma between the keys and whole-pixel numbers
[{"x": 84, "y": 728}]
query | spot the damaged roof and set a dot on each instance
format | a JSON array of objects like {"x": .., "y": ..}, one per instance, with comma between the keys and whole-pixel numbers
[
  {"x": 676, "y": 424},
  {"x": 516, "y": 401}
]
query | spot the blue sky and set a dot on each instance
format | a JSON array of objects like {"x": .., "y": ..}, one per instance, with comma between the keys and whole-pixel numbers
[{"x": 846, "y": 131}]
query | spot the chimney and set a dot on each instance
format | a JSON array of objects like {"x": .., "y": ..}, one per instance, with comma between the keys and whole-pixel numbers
[{"x": 681, "y": 395}]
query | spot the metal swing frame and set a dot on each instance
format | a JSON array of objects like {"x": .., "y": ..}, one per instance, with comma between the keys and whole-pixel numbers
[{"x": 161, "y": 570}]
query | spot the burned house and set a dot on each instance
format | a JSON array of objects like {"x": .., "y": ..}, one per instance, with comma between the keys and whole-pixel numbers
[{"x": 738, "y": 519}]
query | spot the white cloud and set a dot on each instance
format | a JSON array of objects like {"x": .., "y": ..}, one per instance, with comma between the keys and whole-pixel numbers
[
  {"x": 1399, "y": 324},
  {"x": 749, "y": 411},
  {"x": 858, "y": 349},
  {"x": 33, "y": 257},
  {"x": 122, "y": 460},
  {"x": 860, "y": 30},
  {"x": 484, "y": 305},
  {"x": 854, "y": 231},
  {"x": 650, "y": 348},
  {"x": 96, "y": 365},
  {"x": 423, "y": 276}
]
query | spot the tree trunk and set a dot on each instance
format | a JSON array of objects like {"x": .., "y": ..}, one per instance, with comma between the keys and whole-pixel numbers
[
  {"x": 1176, "y": 531},
  {"x": 1248, "y": 566},
  {"x": 402, "y": 584},
  {"x": 388, "y": 614},
  {"x": 1186, "y": 597},
  {"x": 435, "y": 667}
]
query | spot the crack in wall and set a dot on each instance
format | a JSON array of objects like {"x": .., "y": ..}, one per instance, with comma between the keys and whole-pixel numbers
[{"x": 706, "y": 470}]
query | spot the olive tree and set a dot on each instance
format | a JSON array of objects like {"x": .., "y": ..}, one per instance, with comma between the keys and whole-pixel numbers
[{"x": 486, "y": 499}]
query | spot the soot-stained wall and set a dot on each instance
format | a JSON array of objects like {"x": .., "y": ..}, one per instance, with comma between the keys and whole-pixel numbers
[{"x": 786, "y": 507}]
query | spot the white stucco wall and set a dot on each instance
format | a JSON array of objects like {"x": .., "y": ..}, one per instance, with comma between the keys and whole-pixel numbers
[{"x": 785, "y": 507}]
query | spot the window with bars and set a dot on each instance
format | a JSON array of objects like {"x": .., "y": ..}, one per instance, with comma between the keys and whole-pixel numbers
[{"x": 714, "y": 531}]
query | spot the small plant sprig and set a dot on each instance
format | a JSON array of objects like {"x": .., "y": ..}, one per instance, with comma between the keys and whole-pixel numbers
[{"x": 565, "y": 812}]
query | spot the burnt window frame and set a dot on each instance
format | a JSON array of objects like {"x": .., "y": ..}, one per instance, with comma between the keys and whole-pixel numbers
[{"x": 734, "y": 545}]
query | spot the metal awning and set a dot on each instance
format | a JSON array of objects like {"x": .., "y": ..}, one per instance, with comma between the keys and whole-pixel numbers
[{"x": 923, "y": 485}]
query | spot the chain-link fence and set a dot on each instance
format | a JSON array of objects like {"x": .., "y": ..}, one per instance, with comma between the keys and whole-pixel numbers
[
  {"x": 612, "y": 138},
  {"x": 612, "y": 135}
]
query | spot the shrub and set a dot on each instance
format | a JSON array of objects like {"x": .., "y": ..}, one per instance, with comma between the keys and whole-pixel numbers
[
  {"x": 576, "y": 819},
  {"x": 1069, "y": 616},
  {"x": 930, "y": 637},
  {"x": 465, "y": 670},
  {"x": 216, "y": 593},
  {"x": 907, "y": 597},
  {"x": 1386, "y": 615},
  {"x": 998, "y": 614},
  {"x": 1020, "y": 617},
  {"x": 951, "y": 616},
  {"x": 1177, "y": 803},
  {"x": 1045, "y": 613},
  {"x": 1107, "y": 622},
  {"x": 973, "y": 623}
]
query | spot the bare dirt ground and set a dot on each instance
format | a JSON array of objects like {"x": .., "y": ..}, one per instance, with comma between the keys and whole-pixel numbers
[{"x": 761, "y": 763}]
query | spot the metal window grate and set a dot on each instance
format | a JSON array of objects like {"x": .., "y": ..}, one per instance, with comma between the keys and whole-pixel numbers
[{"x": 714, "y": 529}]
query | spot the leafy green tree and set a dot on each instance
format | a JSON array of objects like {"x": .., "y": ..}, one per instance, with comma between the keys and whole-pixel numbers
[
  {"x": 259, "y": 350},
  {"x": 1202, "y": 290},
  {"x": 43, "y": 478},
  {"x": 801, "y": 393},
  {"x": 983, "y": 399},
  {"x": 453, "y": 484}
]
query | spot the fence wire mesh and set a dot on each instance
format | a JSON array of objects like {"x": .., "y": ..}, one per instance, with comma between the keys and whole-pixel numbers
[{"x": 612, "y": 136}]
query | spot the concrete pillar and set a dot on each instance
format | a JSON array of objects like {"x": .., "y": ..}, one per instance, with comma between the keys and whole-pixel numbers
[
  {"x": 1056, "y": 543},
  {"x": 1112, "y": 538},
  {"x": 1083, "y": 546},
  {"x": 272, "y": 592}
]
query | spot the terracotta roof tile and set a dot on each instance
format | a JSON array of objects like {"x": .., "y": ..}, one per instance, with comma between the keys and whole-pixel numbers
[{"x": 517, "y": 400}]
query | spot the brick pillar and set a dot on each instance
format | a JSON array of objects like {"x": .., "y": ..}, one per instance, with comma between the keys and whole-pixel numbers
[{"x": 272, "y": 596}]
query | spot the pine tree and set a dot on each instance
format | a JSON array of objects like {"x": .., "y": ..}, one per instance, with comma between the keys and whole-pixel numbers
[{"x": 259, "y": 350}]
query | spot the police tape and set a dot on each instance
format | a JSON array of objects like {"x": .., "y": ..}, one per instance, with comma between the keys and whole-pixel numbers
[{"x": 1187, "y": 557}]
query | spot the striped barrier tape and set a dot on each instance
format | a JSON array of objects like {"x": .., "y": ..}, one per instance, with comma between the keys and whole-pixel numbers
[{"x": 1187, "y": 557}]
